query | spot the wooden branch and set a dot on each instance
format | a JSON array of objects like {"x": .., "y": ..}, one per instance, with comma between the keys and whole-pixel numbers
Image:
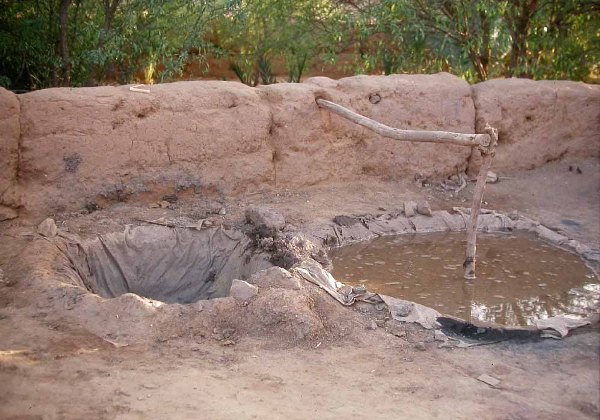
[
  {"x": 459, "y": 139},
  {"x": 484, "y": 142},
  {"x": 469, "y": 264}
]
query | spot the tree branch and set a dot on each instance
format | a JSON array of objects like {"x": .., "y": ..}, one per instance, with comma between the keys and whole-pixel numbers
[{"x": 459, "y": 139}]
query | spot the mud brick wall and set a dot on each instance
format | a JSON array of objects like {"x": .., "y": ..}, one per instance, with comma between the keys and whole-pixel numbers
[{"x": 61, "y": 149}]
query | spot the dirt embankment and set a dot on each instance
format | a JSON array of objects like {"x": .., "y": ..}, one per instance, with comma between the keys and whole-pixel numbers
[{"x": 64, "y": 149}]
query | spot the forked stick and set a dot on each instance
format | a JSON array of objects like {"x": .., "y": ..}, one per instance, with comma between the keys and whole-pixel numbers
[
  {"x": 488, "y": 155},
  {"x": 486, "y": 143}
]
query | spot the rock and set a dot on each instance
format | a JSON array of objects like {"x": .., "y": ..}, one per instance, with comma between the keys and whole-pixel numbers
[
  {"x": 170, "y": 198},
  {"x": 374, "y": 98},
  {"x": 424, "y": 208},
  {"x": 241, "y": 290},
  {"x": 164, "y": 204},
  {"x": 513, "y": 215},
  {"x": 492, "y": 177},
  {"x": 404, "y": 309},
  {"x": 380, "y": 306},
  {"x": 345, "y": 220},
  {"x": 372, "y": 325},
  {"x": 345, "y": 290},
  {"x": 222, "y": 212},
  {"x": 359, "y": 290},
  {"x": 420, "y": 346},
  {"x": 266, "y": 221},
  {"x": 439, "y": 336},
  {"x": 490, "y": 380},
  {"x": 7, "y": 213},
  {"x": 48, "y": 228},
  {"x": 410, "y": 208}
]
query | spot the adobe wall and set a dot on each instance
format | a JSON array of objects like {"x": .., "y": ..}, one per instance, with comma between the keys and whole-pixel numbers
[
  {"x": 9, "y": 150},
  {"x": 66, "y": 148},
  {"x": 539, "y": 121}
]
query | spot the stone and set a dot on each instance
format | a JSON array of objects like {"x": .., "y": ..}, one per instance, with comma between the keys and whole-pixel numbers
[
  {"x": 420, "y": 346},
  {"x": 359, "y": 290},
  {"x": 164, "y": 204},
  {"x": 424, "y": 208},
  {"x": 491, "y": 178},
  {"x": 404, "y": 308},
  {"x": 222, "y": 212},
  {"x": 374, "y": 98},
  {"x": 345, "y": 220},
  {"x": 490, "y": 380},
  {"x": 345, "y": 290},
  {"x": 48, "y": 228},
  {"x": 439, "y": 336},
  {"x": 372, "y": 325},
  {"x": 170, "y": 198},
  {"x": 266, "y": 221},
  {"x": 513, "y": 215},
  {"x": 241, "y": 290},
  {"x": 7, "y": 213},
  {"x": 410, "y": 208}
]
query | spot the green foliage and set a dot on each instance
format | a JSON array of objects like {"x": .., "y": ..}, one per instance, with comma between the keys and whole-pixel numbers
[
  {"x": 254, "y": 32},
  {"x": 479, "y": 39},
  {"x": 122, "y": 41},
  {"x": 108, "y": 41},
  {"x": 27, "y": 56}
]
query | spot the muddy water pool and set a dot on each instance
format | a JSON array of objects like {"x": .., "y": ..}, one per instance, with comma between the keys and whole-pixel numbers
[{"x": 519, "y": 277}]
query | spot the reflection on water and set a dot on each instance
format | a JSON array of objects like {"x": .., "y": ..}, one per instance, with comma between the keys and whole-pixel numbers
[{"x": 519, "y": 278}]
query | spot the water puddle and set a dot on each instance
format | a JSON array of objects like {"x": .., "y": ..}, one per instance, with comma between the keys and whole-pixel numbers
[{"x": 519, "y": 277}]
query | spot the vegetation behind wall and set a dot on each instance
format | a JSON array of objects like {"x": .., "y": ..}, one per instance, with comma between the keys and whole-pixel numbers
[{"x": 46, "y": 43}]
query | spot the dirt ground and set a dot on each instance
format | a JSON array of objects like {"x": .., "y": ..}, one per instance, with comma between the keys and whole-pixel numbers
[{"x": 53, "y": 368}]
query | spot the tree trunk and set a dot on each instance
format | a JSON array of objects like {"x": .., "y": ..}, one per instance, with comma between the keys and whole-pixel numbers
[
  {"x": 110, "y": 9},
  {"x": 63, "y": 16},
  {"x": 518, "y": 18}
]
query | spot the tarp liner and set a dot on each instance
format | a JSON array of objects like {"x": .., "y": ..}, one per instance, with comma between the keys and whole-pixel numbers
[{"x": 169, "y": 264}]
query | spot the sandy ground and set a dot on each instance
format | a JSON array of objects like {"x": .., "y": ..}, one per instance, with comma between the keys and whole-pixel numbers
[{"x": 52, "y": 369}]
